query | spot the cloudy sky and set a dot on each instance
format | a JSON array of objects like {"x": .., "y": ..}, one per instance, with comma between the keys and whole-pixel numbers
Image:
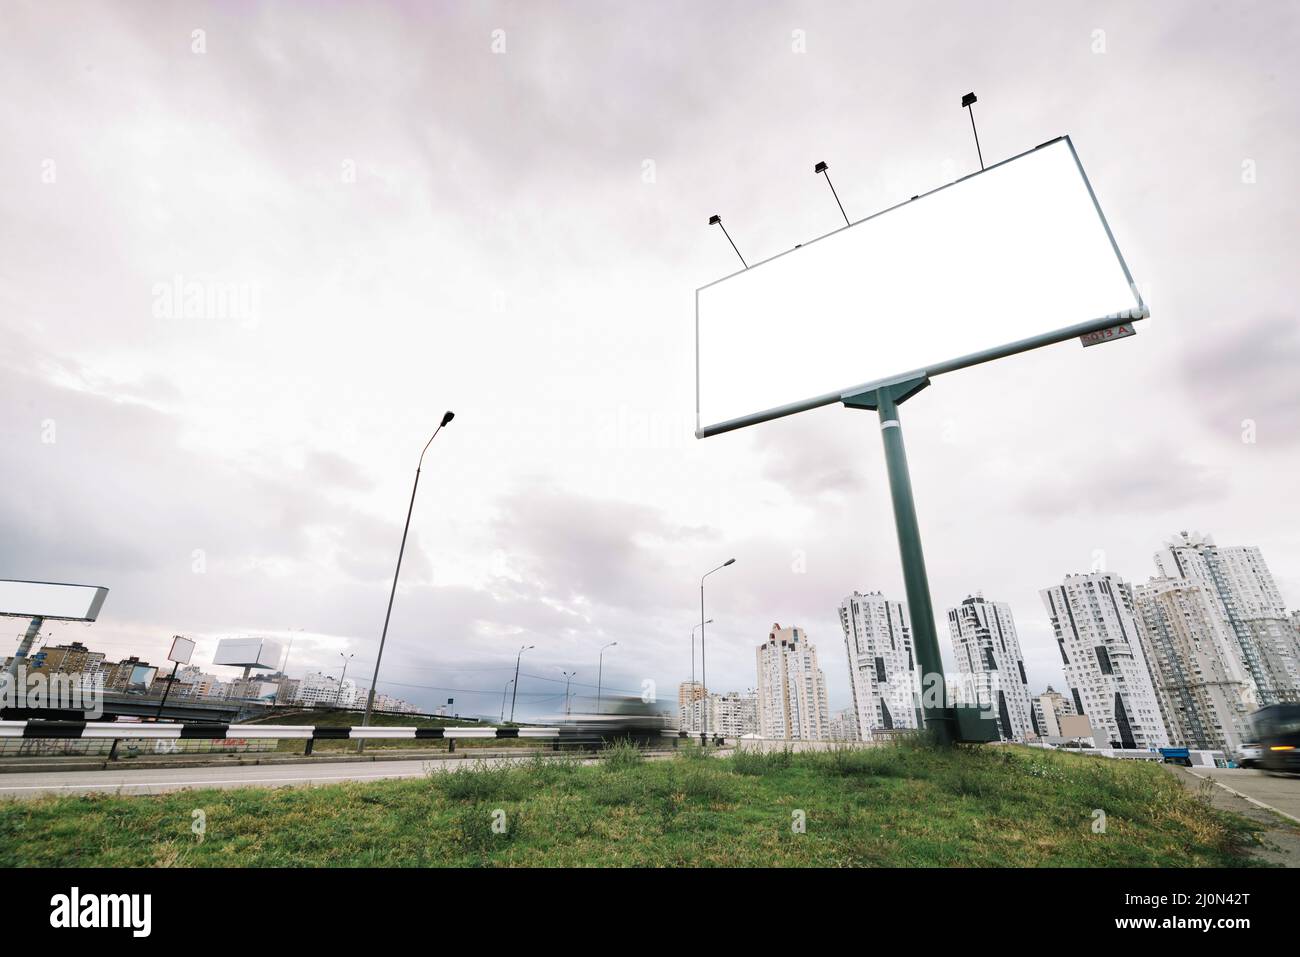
[{"x": 397, "y": 209}]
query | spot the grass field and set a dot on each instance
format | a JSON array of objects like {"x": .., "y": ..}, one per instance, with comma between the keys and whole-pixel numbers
[{"x": 901, "y": 805}]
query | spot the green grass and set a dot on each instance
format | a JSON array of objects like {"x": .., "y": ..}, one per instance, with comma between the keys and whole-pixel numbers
[{"x": 901, "y": 805}]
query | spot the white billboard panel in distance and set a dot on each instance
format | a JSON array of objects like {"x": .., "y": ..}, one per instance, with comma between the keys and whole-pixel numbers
[
  {"x": 248, "y": 653},
  {"x": 22, "y": 599},
  {"x": 1008, "y": 254},
  {"x": 182, "y": 650}
]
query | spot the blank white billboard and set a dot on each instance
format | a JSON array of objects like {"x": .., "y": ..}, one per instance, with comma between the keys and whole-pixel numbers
[
  {"x": 248, "y": 653},
  {"x": 24, "y": 599},
  {"x": 182, "y": 650},
  {"x": 1016, "y": 252}
]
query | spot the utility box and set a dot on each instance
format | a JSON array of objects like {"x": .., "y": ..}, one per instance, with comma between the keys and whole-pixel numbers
[{"x": 974, "y": 726}]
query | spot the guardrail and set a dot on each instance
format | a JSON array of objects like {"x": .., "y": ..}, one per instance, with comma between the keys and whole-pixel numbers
[{"x": 310, "y": 734}]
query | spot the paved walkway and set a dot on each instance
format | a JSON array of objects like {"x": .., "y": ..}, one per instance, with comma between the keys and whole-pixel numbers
[{"x": 1281, "y": 835}]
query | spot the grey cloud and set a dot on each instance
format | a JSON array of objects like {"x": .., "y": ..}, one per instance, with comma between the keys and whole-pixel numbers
[
  {"x": 1149, "y": 479},
  {"x": 1247, "y": 370}
]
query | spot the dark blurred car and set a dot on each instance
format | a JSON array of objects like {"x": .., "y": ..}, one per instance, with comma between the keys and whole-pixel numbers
[
  {"x": 1277, "y": 729},
  {"x": 615, "y": 718}
]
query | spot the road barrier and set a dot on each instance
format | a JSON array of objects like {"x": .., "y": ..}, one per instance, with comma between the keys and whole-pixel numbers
[{"x": 309, "y": 733}]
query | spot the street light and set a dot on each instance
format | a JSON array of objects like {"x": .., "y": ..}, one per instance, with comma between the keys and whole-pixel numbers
[
  {"x": 567, "y": 676},
  {"x": 503, "y": 700},
  {"x": 284, "y": 667},
  {"x": 515, "y": 693},
  {"x": 338, "y": 699},
  {"x": 600, "y": 672},
  {"x": 704, "y": 671},
  {"x": 695, "y": 628},
  {"x": 370, "y": 699}
]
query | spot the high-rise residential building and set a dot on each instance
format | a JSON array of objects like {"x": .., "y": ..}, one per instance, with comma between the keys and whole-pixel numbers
[
  {"x": 844, "y": 725},
  {"x": 1048, "y": 708},
  {"x": 883, "y": 676},
  {"x": 988, "y": 655},
  {"x": 1250, "y": 604},
  {"x": 1201, "y": 681},
  {"x": 1104, "y": 660},
  {"x": 689, "y": 692},
  {"x": 791, "y": 688},
  {"x": 732, "y": 715}
]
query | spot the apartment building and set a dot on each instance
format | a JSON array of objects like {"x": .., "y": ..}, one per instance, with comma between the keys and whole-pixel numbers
[
  {"x": 732, "y": 715},
  {"x": 1202, "y": 683},
  {"x": 791, "y": 687},
  {"x": 1048, "y": 709},
  {"x": 883, "y": 677},
  {"x": 987, "y": 649},
  {"x": 1104, "y": 659},
  {"x": 689, "y": 692},
  {"x": 1250, "y": 605}
]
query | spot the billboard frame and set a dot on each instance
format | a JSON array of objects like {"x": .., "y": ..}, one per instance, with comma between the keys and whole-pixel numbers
[{"x": 1076, "y": 330}]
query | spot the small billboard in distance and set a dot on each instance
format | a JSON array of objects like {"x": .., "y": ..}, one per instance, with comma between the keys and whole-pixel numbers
[
  {"x": 1017, "y": 252},
  {"x": 141, "y": 678},
  {"x": 23, "y": 599},
  {"x": 248, "y": 653},
  {"x": 182, "y": 650}
]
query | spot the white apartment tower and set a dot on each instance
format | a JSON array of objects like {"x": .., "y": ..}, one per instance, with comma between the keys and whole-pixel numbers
[
  {"x": 1201, "y": 681},
  {"x": 791, "y": 688},
  {"x": 988, "y": 655},
  {"x": 1250, "y": 605},
  {"x": 1104, "y": 660},
  {"x": 884, "y": 679}
]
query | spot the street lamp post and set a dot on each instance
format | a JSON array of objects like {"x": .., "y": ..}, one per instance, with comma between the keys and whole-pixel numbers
[
  {"x": 284, "y": 667},
  {"x": 704, "y": 670},
  {"x": 567, "y": 676},
  {"x": 370, "y": 699},
  {"x": 515, "y": 693},
  {"x": 600, "y": 673},
  {"x": 503, "y": 699},
  {"x": 338, "y": 699},
  {"x": 695, "y": 628}
]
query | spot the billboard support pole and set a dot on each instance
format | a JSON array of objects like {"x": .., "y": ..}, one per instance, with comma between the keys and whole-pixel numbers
[
  {"x": 940, "y": 719},
  {"x": 25, "y": 646},
  {"x": 166, "y": 691}
]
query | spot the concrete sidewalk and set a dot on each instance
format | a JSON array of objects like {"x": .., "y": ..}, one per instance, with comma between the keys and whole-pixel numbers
[{"x": 1281, "y": 836}]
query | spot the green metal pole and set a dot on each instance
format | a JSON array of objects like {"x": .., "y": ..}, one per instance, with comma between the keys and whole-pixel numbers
[{"x": 939, "y": 717}]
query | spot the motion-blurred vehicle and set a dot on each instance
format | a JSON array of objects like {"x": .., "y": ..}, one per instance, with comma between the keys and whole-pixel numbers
[
  {"x": 614, "y": 718},
  {"x": 1249, "y": 754},
  {"x": 1277, "y": 729}
]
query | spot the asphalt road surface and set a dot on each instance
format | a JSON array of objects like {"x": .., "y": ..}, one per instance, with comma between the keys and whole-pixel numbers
[
  {"x": 1281, "y": 792},
  {"x": 160, "y": 781}
]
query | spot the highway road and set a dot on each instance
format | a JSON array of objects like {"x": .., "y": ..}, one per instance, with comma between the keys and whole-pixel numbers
[
  {"x": 1280, "y": 792},
  {"x": 160, "y": 781}
]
